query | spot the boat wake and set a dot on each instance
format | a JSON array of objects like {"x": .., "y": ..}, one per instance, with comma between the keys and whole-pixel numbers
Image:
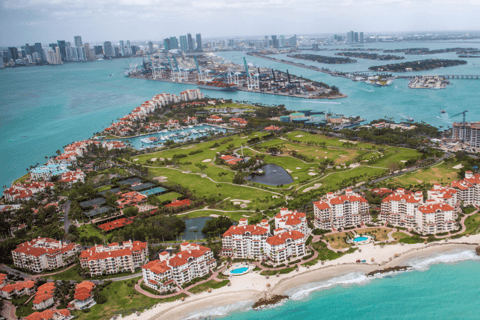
[
  {"x": 423, "y": 264},
  {"x": 322, "y": 102},
  {"x": 209, "y": 313},
  {"x": 366, "y": 90}
]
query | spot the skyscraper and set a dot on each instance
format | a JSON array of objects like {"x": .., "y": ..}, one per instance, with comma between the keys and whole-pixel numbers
[
  {"x": 183, "y": 43},
  {"x": 98, "y": 50},
  {"x": 356, "y": 37},
  {"x": 292, "y": 41},
  {"x": 39, "y": 50},
  {"x": 191, "y": 46},
  {"x": 231, "y": 43},
  {"x": 166, "y": 44},
  {"x": 108, "y": 49},
  {"x": 282, "y": 41},
  {"x": 361, "y": 37},
  {"x": 122, "y": 48},
  {"x": 58, "y": 55},
  {"x": 14, "y": 53},
  {"x": 86, "y": 48},
  {"x": 62, "y": 45},
  {"x": 173, "y": 43},
  {"x": 275, "y": 42},
  {"x": 78, "y": 41},
  {"x": 150, "y": 46},
  {"x": 199, "y": 42}
]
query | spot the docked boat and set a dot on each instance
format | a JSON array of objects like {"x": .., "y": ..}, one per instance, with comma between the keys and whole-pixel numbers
[
  {"x": 410, "y": 119},
  {"x": 149, "y": 140},
  {"x": 442, "y": 111},
  {"x": 217, "y": 85}
]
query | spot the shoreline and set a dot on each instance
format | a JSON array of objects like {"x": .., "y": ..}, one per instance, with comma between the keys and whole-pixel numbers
[{"x": 249, "y": 288}]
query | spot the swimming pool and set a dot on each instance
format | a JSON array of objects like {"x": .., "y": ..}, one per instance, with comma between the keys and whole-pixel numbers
[
  {"x": 238, "y": 271},
  {"x": 360, "y": 239}
]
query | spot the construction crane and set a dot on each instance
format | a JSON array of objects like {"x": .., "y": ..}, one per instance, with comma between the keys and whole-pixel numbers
[
  {"x": 201, "y": 75},
  {"x": 252, "y": 81},
  {"x": 156, "y": 72},
  {"x": 464, "y": 133}
]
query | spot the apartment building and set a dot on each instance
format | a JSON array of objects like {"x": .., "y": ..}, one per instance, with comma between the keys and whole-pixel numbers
[
  {"x": 436, "y": 218},
  {"x": 17, "y": 289},
  {"x": 338, "y": 212},
  {"x": 245, "y": 241},
  {"x": 285, "y": 245},
  {"x": 288, "y": 220},
  {"x": 44, "y": 297},
  {"x": 114, "y": 258},
  {"x": 400, "y": 208},
  {"x": 44, "y": 254},
  {"x": 25, "y": 191},
  {"x": 444, "y": 194},
  {"x": 169, "y": 273},
  {"x": 468, "y": 189}
]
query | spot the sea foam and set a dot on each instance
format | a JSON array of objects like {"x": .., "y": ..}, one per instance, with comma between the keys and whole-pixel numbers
[
  {"x": 424, "y": 263},
  {"x": 220, "y": 311}
]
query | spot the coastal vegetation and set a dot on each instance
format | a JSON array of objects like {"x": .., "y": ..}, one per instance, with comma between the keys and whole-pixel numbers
[
  {"x": 369, "y": 56},
  {"x": 420, "y": 65},
  {"x": 322, "y": 59}
]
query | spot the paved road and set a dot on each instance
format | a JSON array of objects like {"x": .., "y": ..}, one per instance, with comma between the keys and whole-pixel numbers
[
  {"x": 8, "y": 310},
  {"x": 13, "y": 271},
  {"x": 66, "y": 208}
]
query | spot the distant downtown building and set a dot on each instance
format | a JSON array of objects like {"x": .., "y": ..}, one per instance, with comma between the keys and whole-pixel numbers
[
  {"x": 199, "y": 42},
  {"x": 78, "y": 41},
  {"x": 353, "y": 37},
  {"x": 108, "y": 49}
]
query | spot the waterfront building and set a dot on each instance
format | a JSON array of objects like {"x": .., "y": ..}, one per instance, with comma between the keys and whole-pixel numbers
[
  {"x": 46, "y": 172},
  {"x": 166, "y": 44},
  {"x": 44, "y": 297},
  {"x": 44, "y": 254},
  {"x": 191, "y": 94},
  {"x": 122, "y": 48},
  {"x": 114, "y": 258},
  {"x": 468, "y": 189},
  {"x": 38, "y": 49},
  {"x": 190, "y": 42},
  {"x": 238, "y": 122},
  {"x": 98, "y": 50},
  {"x": 14, "y": 53},
  {"x": 17, "y": 289},
  {"x": 245, "y": 241},
  {"x": 288, "y": 220},
  {"x": 199, "y": 42},
  {"x": 350, "y": 37},
  {"x": 400, "y": 208},
  {"x": 282, "y": 41},
  {"x": 62, "y": 45},
  {"x": 444, "y": 194},
  {"x": 78, "y": 41},
  {"x": 62, "y": 314},
  {"x": 83, "y": 296},
  {"x": 468, "y": 132},
  {"x": 169, "y": 273},
  {"x": 214, "y": 119},
  {"x": 436, "y": 218},
  {"x": 25, "y": 191},
  {"x": 361, "y": 37},
  {"x": 338, "y": 212},
  {"x": 292, "y": 41},
  {"x": 58, "y": 56},
  {"x": 71, "y": 177},
  {"x": 173, "y": 43},
  {"x": 285, "y": 245},
  {"x": 108, "y": 49}
]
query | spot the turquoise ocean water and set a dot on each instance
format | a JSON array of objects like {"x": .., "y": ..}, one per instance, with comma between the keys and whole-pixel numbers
[{"x": 433, "y": 291}]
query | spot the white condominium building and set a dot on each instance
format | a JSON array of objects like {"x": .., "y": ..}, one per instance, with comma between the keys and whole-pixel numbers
[
  {"x": 245, "y": 241},
  {"x": 338, "y": 212},
  {"x": 191, "y": 94},
  {"x": 114, "y": 258},
  {"x": 436, "y": 218},
  {"x": 468, "y": 189},
  {"x": 285, "y": 245},
  {"x": 44, "y": 254},
  {"x": 288, "y": 220},
  {"x": 169, "y": 273},
  {"x": 400, "y": 207},
  {"x": 444, "y": 194}
]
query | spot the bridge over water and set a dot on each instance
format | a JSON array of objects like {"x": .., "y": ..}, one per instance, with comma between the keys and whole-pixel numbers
[{"x": 464, "y": 76}]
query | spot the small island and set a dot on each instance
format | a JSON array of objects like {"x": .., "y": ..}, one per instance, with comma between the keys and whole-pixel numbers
[
  {"x": 322, "y": 59},
  {"x": 369, "y": 56},
  {"x": 420, "y": 65},
  {"x": 263, "y": 302}
]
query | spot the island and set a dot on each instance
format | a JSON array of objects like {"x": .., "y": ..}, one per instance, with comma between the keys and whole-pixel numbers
[
  {"x": 420, "y": 65},
  {"x": 322, "y": 59},
  {"x": 369, "y": 56}
]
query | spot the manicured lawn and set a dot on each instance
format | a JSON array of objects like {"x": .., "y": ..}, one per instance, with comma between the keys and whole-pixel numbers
[
  {"x": 168, "y": 196},
  {"x": 317, "y": 138},
  {"x": 22, "y": 179},
  {"x": 70, "y": 274},
  {"x": 396, "y": 154},
  {"x": 103, "y": 188},
  {"x": 381, "y": 234},
  {"x": 274, "y": 272},
  {"x": 122, "y": 298},
  {"x": 400, "y": 235},
  {"x": 207, "y": 285},
  {"x": 236, "y": 216},
  {"x": 25, "y": 310},
  {"x": 443, "y": 174},
  {"x": 325, "y": 254},
  {"x": 472, "y": 224},
  {"x": 337, "y": 240},
  {"x": 89, "y": 230}
]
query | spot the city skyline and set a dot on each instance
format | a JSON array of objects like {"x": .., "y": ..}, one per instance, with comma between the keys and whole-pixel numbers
[{"x": 50, "y": 20}]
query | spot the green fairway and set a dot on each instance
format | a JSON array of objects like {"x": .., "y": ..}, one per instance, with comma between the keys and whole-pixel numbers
[
  {"x": 442, "y": 173},
  {"x": 168, "y": 196},
  {"x": 236, "y": 216}
]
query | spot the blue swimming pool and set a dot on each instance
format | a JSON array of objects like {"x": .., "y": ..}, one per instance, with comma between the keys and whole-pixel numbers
[
  {"x": 156, "y": 190},
  {"x": 239, "y": 270},
  {"x": 360, "y": 239}
]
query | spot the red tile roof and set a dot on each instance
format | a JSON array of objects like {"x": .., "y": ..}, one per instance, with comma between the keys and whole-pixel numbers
[
  {"x": 239, "y": 230},
  {"x": 179, "y": 203},
  {"x": 432, "y": 208},
  {"x": 282, "y": 237},
  {"x": 115, "y": 224}
]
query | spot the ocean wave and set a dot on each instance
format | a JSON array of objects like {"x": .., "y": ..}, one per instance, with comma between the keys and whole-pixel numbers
[
  {"x": 349, "y": 279},
  {"x": 220, "y": 311},
  {"x": 423, "y": 264}
]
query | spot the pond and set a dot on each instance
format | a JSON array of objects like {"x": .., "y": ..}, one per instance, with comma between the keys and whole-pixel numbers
[
  {"x": 193, "y": 229},
  {"x": 274, "y": 176}
]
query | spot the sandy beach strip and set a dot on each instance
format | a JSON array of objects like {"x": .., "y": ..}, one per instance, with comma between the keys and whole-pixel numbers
[{"x": 252, "y": 286}]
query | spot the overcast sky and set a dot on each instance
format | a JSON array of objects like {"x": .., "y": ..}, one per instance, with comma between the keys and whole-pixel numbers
[{"x": 46, "y": 21}]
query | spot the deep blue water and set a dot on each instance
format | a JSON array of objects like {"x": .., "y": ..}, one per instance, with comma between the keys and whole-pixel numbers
[
  {"x": 45, "y": 108},
  {"x": 274, "y": 176},
  {"x": 433, "y": 291}
]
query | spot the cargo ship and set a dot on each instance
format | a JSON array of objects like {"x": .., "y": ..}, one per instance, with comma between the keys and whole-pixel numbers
[{"x": 217, "y": 85}]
